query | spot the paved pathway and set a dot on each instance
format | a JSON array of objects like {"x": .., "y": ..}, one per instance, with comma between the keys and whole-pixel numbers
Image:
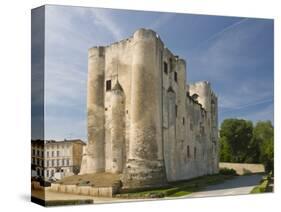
[{"x": 237, "y": 186}]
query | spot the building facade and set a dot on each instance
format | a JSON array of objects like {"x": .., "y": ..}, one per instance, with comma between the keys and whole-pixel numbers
[
  {"x": 37, "y": 158},
  {"x": 144, "y": 120},
  {"x": 56, "y": 159}
]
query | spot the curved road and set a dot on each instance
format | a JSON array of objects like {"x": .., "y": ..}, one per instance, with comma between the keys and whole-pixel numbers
[{"x": 237, "y": 186}]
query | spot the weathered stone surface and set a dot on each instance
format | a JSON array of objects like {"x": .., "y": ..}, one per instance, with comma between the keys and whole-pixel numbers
[
  {"x": 118, "y": 129},
  {"x": 144, "y": 120},
  {"x": 94, "y": 157}
]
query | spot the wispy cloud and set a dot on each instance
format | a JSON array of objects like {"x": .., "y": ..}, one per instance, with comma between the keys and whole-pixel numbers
[
  {"x": 223, "y": 59},
  {"x": 265, "y": 113},
  {"x": 221, "y": 32},
  {"x": 239, "y": 107},
  {"x": 244, "y": 94},
  {"x": 102, "y": 18},
  {"x": 227, "y": 50},
  {"x": 70, "y": 32},
  {"x": 161, "y": 21},
  {"x": 226, "y": 61}
]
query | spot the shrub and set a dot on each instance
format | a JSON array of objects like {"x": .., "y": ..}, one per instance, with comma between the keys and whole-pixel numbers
[{"x": 227, "y": 171}]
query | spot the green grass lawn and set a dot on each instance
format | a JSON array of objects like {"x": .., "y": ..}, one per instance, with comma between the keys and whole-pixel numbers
[
  {"x": 264, "y": 186},
  {"x": 177, "y": 189}
]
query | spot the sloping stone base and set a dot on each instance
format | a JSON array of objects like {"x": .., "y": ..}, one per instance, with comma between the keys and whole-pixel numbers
[{"x": 142, "y": 174}]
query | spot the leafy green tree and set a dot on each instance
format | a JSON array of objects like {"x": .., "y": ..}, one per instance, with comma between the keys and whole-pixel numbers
[
  {"x": 263, "y": 135},
  {"x": 237, "y": 133},
  {"x": 253, "y": 152},
  {"x": 241, "y": 142},
  {"x": 225, "y": 154}
]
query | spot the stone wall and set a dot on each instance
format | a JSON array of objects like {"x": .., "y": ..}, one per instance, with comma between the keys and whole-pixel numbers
[
  {"x": 84, "y": 190},
  {"x": 243, "y": 168},
  {"x": 167, "y": 134},
  {"x": 189, "y": 124}
]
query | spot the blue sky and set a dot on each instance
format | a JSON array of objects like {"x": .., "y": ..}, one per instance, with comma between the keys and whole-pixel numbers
[{"x": 234, "y": 54}]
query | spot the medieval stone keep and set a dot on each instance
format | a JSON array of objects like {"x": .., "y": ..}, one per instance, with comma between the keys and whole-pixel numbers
[{"x": 144, "y": 121}]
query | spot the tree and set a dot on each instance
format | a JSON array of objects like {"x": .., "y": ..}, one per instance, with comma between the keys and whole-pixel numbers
[
  {"x": 225, "y": 154},
  {"x": 263, "y": 135},
  {"x": 237, "y": 133},
  {"x": 240, "y": 142}
]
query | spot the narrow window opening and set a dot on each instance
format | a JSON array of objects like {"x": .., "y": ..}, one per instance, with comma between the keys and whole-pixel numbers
[
  {"x": 176, "y": 76},
  {"x": 165, "y": 68},
  {"x": 108, "y": 85}
]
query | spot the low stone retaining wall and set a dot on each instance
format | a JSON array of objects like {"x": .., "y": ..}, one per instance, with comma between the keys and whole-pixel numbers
[
  {"x": 84, "y": 190},
  {"x": 244, "y": 168}
]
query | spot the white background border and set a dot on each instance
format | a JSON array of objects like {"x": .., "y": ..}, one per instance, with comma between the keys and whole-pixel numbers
[{"x": 15, "y": 102}]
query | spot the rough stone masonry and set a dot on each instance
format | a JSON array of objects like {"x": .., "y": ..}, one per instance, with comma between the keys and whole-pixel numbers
[{"x": 144, "y": 121}]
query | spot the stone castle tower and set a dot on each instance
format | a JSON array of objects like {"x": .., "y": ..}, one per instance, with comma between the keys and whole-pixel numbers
[{"x": 144, "y": 121}]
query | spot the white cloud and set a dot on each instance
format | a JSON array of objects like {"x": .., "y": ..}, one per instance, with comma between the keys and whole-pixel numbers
[
  {"x": 102, "y": 18},
  {"x": 266, "y": 113},
  {"x": 162, "y": 20},
  {"x": 222, "y": 60},
  {"x": 70, "y": 32},
  {"x": 223, "y": 52},
  {"x": 221, "y": 32},
  {"x": 245, "y": 94},
  {"x": 68, "y": 38}
]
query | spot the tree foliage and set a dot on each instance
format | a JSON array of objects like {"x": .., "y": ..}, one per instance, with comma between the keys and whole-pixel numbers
[
  {"x": 264, "y": 135},
  {"x": 237, "y": 133},
  {"x": 242, "y": 142}
]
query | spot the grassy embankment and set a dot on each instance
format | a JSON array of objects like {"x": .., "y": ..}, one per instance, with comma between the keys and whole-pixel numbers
[
  {"x": 264, "y": 186},
  {"x": 177, "y": 189}
]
